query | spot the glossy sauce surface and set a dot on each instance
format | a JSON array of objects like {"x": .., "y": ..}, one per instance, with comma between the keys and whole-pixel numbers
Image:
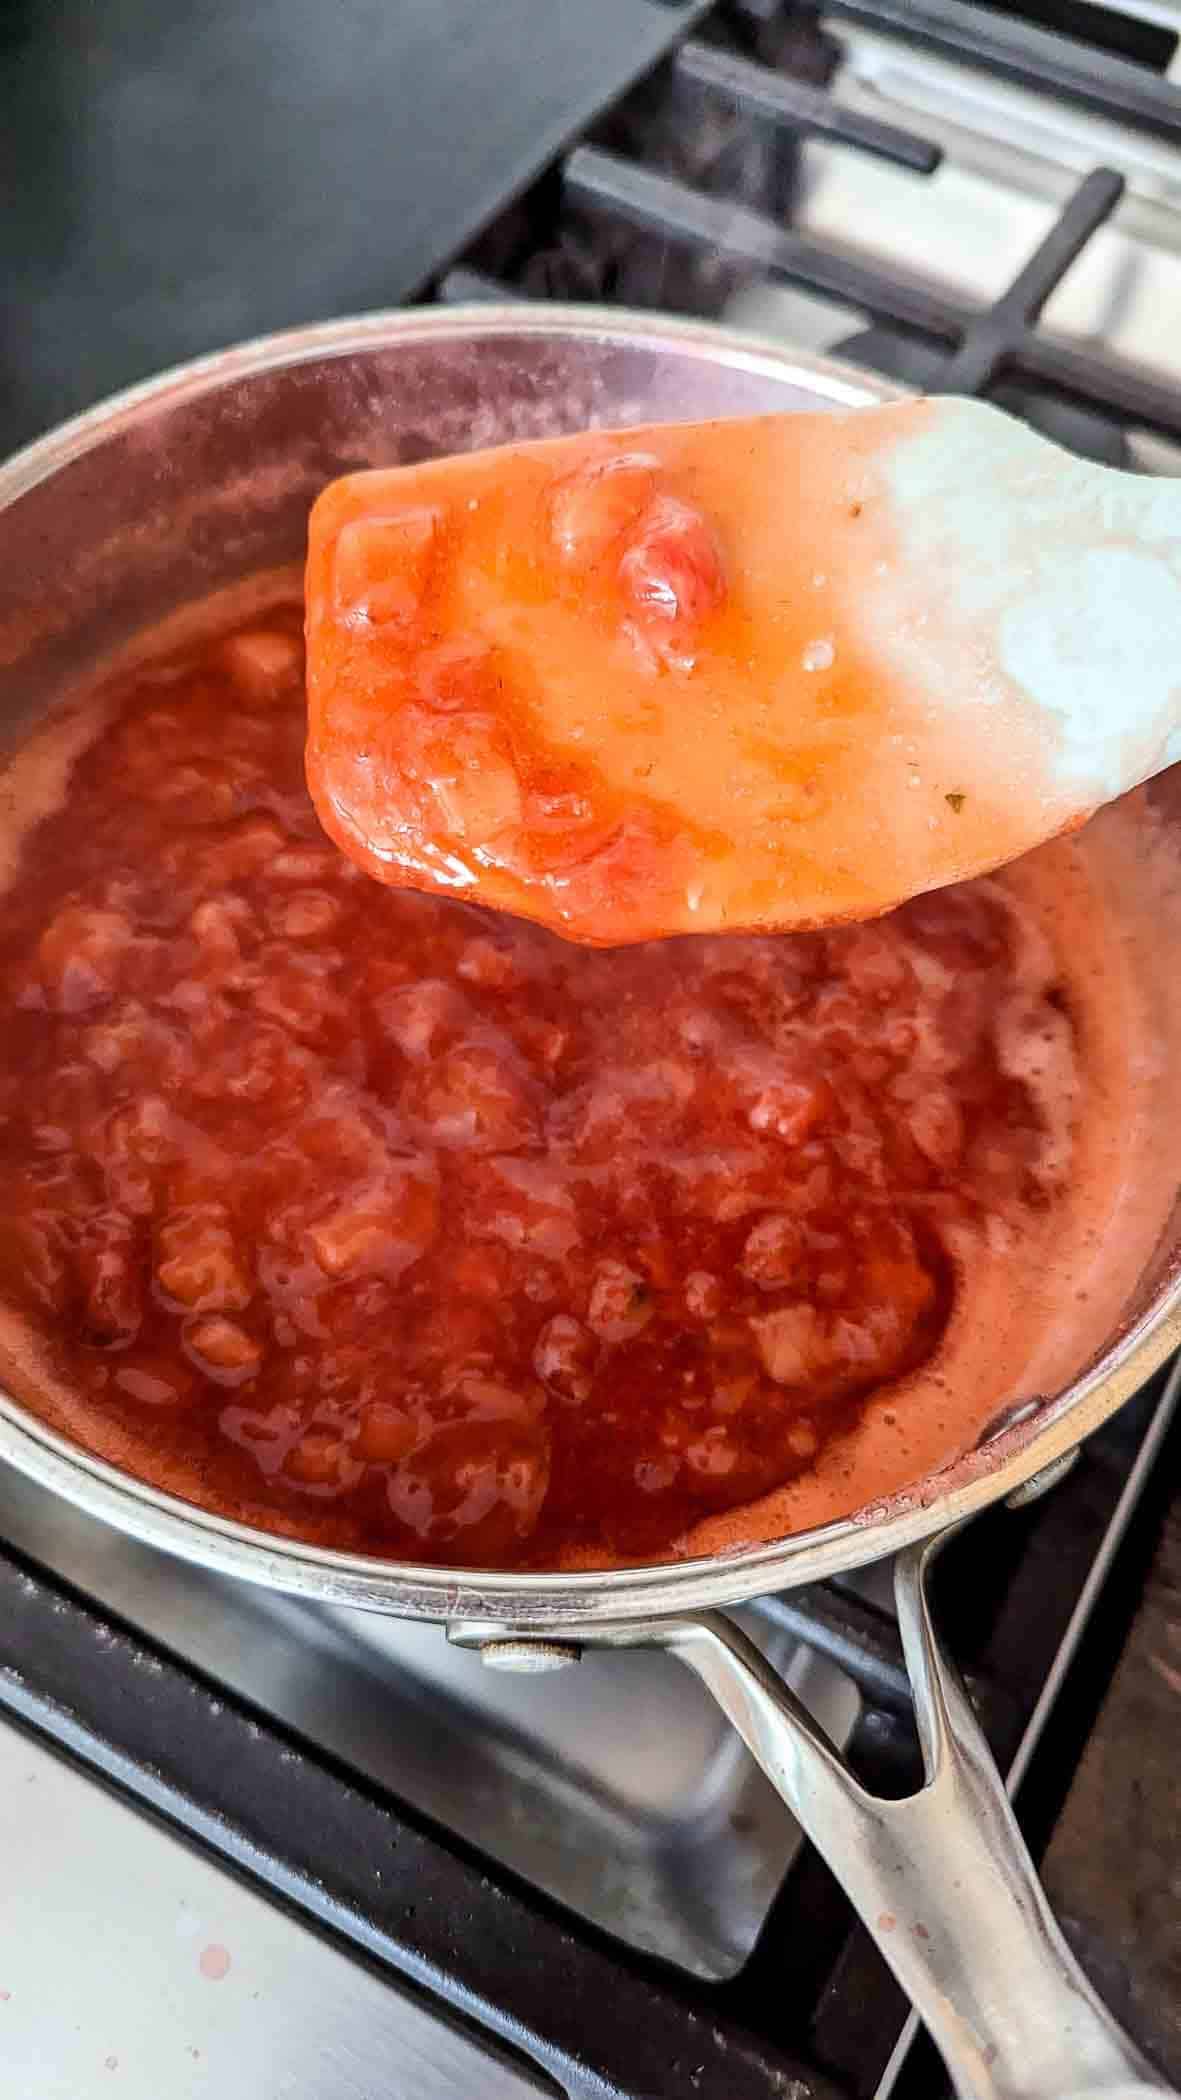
[{"x": 373, "y": 1217}]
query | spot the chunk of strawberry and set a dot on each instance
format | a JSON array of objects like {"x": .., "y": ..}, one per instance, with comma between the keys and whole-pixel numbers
[
  {"x": 381, "y": 566},
  {"x": 565, "y": 1357},
  {"x": 378, "y": 1229},
  {"x": 199, "y": 1264},
  {"x": 110, "y": 1272},
  {"x": 771, "y": 1256},
  {"x": 671, "y": 574},
  {"x": 264, "y": 664},
  {"x": 620, "y": 1302},
  {"x": 222, "y": 1349},
  {"x": 473, "y": 1099},
  {"x": 385, "y": 1433},
  {"x": 82, "y": 953},
  {"x": 592, "y": 508},
  {"x": 475, "y": 1488}
]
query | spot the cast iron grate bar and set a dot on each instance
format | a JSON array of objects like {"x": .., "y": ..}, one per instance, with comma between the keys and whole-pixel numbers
[
  {"x": 996, "y": 338},
  {"x": 661, "y": 205},
  {"x": 759, "y": 92},
  {"x": 1031, "y": 57},
  {"x": 864, "y": 1642},
  {"x": 861, "y": 1640},
  {"x": 608, "y": 2025}
]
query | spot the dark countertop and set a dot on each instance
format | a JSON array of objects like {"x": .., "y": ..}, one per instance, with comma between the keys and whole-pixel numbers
[
  {"x": 1112, "y": 1869},
  {"x": 181, "y": 177}
]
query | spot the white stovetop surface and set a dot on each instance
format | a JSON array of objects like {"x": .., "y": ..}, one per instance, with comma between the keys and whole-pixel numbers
[{"x": 132, "y": 1968}]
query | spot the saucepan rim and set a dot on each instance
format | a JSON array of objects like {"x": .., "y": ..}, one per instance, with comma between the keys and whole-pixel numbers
[{"x": 542, "y": 1600}]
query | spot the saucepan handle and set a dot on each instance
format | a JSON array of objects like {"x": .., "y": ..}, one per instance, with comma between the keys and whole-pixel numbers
[{"x": 943, "y": 1879}]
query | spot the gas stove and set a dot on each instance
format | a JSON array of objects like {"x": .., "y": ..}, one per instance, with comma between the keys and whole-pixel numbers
[{"x": 502, "y": 1886}]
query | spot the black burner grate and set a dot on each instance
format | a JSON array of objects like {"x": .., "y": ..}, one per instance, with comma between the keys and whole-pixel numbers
[
  {"x": 999, "y": 340},
  {"x": 804, "y": 110},
  {"x": 683, "y": 192}
]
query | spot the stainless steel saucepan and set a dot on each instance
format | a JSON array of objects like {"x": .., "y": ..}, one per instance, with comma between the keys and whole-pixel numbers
[{"x": 201, "y": 477}]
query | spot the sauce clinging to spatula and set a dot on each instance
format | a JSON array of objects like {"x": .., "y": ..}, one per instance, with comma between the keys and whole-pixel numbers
[{"x": 620, "y": 683}]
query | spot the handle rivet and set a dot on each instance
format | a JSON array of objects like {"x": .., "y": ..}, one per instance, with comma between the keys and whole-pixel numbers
[{"x": 530, "y": 1657}]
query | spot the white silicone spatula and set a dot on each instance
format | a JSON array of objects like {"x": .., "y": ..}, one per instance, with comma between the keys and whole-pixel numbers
[{"x": 762, "y": 673}]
